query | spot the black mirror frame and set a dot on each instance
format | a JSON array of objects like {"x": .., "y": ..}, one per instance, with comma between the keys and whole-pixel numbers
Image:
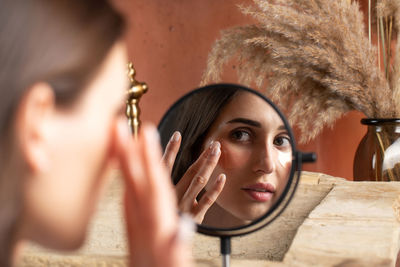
[{"x": 293, "y": 180}]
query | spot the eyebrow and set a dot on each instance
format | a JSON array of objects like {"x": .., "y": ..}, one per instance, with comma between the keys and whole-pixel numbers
[
  {"x": 282, "y": 127},
  {"x": 245, "y": 121},
  {"x": 252, "y": 123}
]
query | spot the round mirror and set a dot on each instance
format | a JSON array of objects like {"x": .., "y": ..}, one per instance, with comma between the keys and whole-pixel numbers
[{"x": 235, "y": 158}]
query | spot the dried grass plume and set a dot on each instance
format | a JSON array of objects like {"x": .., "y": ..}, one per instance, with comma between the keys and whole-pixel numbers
[{"x": 312, "y": 57}]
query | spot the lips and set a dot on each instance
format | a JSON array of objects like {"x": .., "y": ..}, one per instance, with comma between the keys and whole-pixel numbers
[{"x": 260, "y": 192}]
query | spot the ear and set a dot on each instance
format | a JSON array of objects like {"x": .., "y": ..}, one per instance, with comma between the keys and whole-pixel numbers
[{"x": 33, "y": 117}]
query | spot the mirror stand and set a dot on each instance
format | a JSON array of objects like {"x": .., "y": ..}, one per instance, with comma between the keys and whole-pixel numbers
[{"x": 225, "y": 250}]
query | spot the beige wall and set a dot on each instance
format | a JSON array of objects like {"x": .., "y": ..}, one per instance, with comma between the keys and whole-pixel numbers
[{"x": 169, "y": 41}]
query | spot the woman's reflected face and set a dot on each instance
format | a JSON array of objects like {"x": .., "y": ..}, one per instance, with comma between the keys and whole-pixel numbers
[{"x": 256, "y": 156}]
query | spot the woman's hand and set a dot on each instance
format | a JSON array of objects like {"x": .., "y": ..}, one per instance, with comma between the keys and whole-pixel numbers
[
  {"x": 195, "y": 179},
  {"x": 150, "y": 203}
]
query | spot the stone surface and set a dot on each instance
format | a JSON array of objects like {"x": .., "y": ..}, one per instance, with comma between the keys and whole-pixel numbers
[
  {"x": 330, "y": 222},
  {"x": 354, "y": 224},
  {"x": 238, "y": 263}
]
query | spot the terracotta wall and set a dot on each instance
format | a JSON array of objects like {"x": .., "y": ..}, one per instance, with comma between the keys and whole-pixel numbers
[{"x": 169, "y": 42}]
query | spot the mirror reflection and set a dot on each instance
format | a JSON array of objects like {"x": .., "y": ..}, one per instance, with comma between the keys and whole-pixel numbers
[{"x": 229, "y": 153}]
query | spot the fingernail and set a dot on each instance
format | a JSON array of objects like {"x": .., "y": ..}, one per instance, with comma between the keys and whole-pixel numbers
[
  {"x": 176, "y": 137},
  {"x": 221, "y": 178},
  {"x": 215, "y": 148},
  {"x": 213, "y": 144}
]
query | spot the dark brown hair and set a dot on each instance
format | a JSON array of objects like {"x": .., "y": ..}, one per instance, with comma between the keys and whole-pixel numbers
[
  {"x": 193, "y": 116},
  {"x": 61, "y": 42}
]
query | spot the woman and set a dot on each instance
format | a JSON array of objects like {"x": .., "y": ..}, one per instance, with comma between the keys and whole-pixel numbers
[
  {"x": 255, "y": 154},
  {"x": 61, "y": 116}
]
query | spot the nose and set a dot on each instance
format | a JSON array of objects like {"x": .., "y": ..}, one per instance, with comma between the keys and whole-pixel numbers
[{"x": 264, "y": 159}]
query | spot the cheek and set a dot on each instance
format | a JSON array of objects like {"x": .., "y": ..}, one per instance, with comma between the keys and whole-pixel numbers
[
  {"x": 284, "y": 158},
  {"x": 234, "y": 158},
  {"x": 84, "y": 153},
  {"x": 283, "y": 166},
  {"x": 94, "y": 142},
  {"x": 234, "y": 162},
  {"x": 98, "y": 148}
]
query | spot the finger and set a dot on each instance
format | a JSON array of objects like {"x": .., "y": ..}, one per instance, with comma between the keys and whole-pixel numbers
[
  {"x": 168, "y": 249},
  {"x": 131, "y": 162},
  {"x": 162, "y": 202},
  {"x": 209, "y": 198},
  {"x": 151, "y": 227},
  {"x": 171, "y": 151},
  {"x": 204, "y": 160},
  {"x": 132, "y": 225},
  {"x": 201, "y": 178}
]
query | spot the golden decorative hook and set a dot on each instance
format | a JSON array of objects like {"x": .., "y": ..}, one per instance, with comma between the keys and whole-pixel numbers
[{"x": 134, "y": 93}]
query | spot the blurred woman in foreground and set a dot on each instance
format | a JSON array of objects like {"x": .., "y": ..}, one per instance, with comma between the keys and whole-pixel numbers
[{"x": 62, "y": 91}]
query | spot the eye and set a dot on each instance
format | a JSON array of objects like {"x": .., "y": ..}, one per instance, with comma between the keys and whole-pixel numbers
[
  {"x": 240, "y": 135},
  {"x": 282, "y": 141}
]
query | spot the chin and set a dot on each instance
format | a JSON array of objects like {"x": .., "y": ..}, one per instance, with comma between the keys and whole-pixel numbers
[
  {"x": 62, "y": 239},
  {"x": 254, "y": 215},
  {"x": 75, "y": 237},
  {"x": 74, "y": 243}
]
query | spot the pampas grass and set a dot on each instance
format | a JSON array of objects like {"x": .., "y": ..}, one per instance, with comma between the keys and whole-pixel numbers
[
  {"x": 388, "y": 12},
  {"x": 313, "y": 58}
]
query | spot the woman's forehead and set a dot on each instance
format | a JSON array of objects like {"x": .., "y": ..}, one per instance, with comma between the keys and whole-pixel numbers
[{"x": 247, "y": 105}]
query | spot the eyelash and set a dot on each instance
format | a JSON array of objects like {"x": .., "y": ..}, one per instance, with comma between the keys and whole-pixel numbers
[
  {"x": 251, "y": 137},
  {"x": 242, "y": 131},
  {"x": 282, "y": 137}
]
